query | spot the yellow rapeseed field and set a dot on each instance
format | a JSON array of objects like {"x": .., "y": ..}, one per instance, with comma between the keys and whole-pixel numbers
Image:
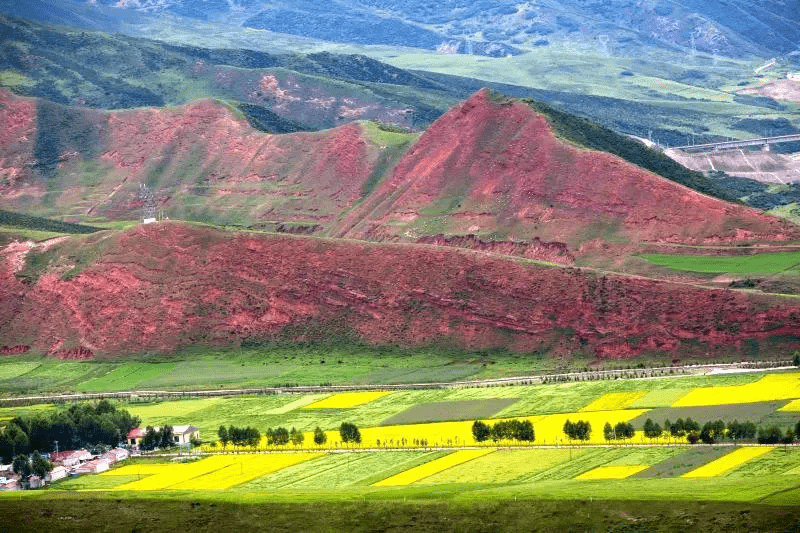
[
  {"x": 792, "y": 406},
  {"x": 612, "y": 472},
  {"x": 243, "y": 468},
  {"x": 614, "y": 400},
  {"x": 769, "y": 388},
  {"x": 550, "y": 430},
  {"x": 343, "y": 400},
  {"x": 172, "y": 474},
  {"x": 428, "y": 469},
  {"x": 729, "y": 461}
]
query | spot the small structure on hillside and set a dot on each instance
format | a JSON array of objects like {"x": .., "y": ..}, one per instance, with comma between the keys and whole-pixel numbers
[{"x": 149, "y": 204}]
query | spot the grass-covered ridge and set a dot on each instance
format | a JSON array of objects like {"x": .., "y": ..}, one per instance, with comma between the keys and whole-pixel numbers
[
  {"x": 30, "y": 222},
  {"x": 589, "y": 134}
]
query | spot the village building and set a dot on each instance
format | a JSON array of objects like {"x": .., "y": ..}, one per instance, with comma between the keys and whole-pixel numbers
[
  {"x": 35, "y": 482},
  {"x": 70, "y": 458},
  {"x": 135, "y": 436},
  {"x": 9, "y": 484},
  {"x": 115, "y": 455},
  {"x": 58, "y": 472},
  {"x": 183, "y": 434},
  {"x": 95, "y": 466}
]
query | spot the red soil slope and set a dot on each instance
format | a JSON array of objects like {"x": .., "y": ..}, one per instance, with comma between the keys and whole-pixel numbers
[
  {"x": 17, "y": 136},
  {"x": 491, "y": 167},
  {"x": 166, "y": 285}
]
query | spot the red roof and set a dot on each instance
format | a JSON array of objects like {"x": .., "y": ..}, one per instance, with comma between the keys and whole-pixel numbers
[{"x": 136, "y": 433}]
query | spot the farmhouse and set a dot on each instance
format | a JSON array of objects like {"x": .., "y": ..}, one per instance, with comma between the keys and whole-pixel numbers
[
  {"x": 58, "y": 472},
  {"x": 183, "y": 434},
  {"x": 135, "y": 436},
  {"x": 8, "y": 484},
  {"x": 35, "y": 482},
  {"x": 94, "y": 466},
  {"x": 70, "y": 458},
  {"x": 117, "y": 454}
]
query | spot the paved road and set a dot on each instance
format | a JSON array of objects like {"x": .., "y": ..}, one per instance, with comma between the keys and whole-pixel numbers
[{"x": 731, "y": 145}]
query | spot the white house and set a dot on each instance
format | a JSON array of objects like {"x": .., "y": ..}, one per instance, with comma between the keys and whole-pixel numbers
[
  {"x": 183, "y": 434},
  {"x": 94, "y": 466},
  {"x": 58, "y": 472},
  {"x": 117, "y": 454}
]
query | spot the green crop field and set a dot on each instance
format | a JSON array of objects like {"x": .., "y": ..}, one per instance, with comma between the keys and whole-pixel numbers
[
  {"x": 623, "y": 473},
  {"x": 684, "y": 461},
  {"x": 453, "y": 410},
  {"x": 764, "y": 264}
]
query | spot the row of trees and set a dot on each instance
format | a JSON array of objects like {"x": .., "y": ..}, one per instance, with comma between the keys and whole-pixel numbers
[
  {"x": 580, "y": 430},
  {"x": 280, "y": 436},
  {"x": 521, "y": 430},
  {"x": 78, "y": 426},
  {"x": 247, "y": 436}
]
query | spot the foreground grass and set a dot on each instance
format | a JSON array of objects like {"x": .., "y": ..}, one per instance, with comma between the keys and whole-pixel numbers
[{"x": 100, "y": 512}]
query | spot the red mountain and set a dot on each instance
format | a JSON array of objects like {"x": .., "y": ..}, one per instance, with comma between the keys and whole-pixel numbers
[{"x": 496, "y": 167}]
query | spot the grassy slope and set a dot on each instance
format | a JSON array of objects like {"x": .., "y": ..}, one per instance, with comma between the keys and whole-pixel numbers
[{"x": 100, "y": 513}]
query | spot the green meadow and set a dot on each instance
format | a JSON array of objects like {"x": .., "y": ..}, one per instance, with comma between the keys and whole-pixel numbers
[{"x": 763, "y": 264}]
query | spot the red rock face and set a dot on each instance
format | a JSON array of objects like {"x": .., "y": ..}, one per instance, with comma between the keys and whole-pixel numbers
[
  {"x": 488, "y": 166},
  {"x": 17, "y": 137},
  {"x": 167, "y": 285}
]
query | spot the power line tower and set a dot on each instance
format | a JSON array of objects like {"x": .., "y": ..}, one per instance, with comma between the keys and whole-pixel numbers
[{"x": 149, "y": 204}]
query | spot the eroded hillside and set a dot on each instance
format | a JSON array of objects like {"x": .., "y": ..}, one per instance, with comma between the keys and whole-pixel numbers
[{"x": 159, "y": 287}]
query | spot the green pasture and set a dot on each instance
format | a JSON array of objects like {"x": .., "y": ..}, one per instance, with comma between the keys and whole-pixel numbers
[
  {"x": 762, "y": 264},
  {"x": 46, "y": 511}
]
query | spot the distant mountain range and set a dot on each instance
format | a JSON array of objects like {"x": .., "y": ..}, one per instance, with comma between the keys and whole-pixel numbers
[{"x": 500, "y": 27}]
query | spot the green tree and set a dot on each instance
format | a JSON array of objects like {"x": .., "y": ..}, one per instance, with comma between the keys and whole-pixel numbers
[
  {"x": 769, "y": 435},
  {"x": 349, "y": 432},
  {"x": 651, "y": 429},
  {"x": 222, "y": 434},
  {"x": 22, "y": 466},
  {"x": 320, "y": 437},
  {"x": 165, "y": 438},
  {"x": 608, "y": 432},
  {"x": 624, "y": 430},
  {"x": 151, "y": 439},
  {"x": 480, "y": 431},
  {"x": 296, "y": 437},
  {"x": 278, "y": 436},
  {"x": 796, "y": 358},
  {"x": 39, "y": 465}
]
